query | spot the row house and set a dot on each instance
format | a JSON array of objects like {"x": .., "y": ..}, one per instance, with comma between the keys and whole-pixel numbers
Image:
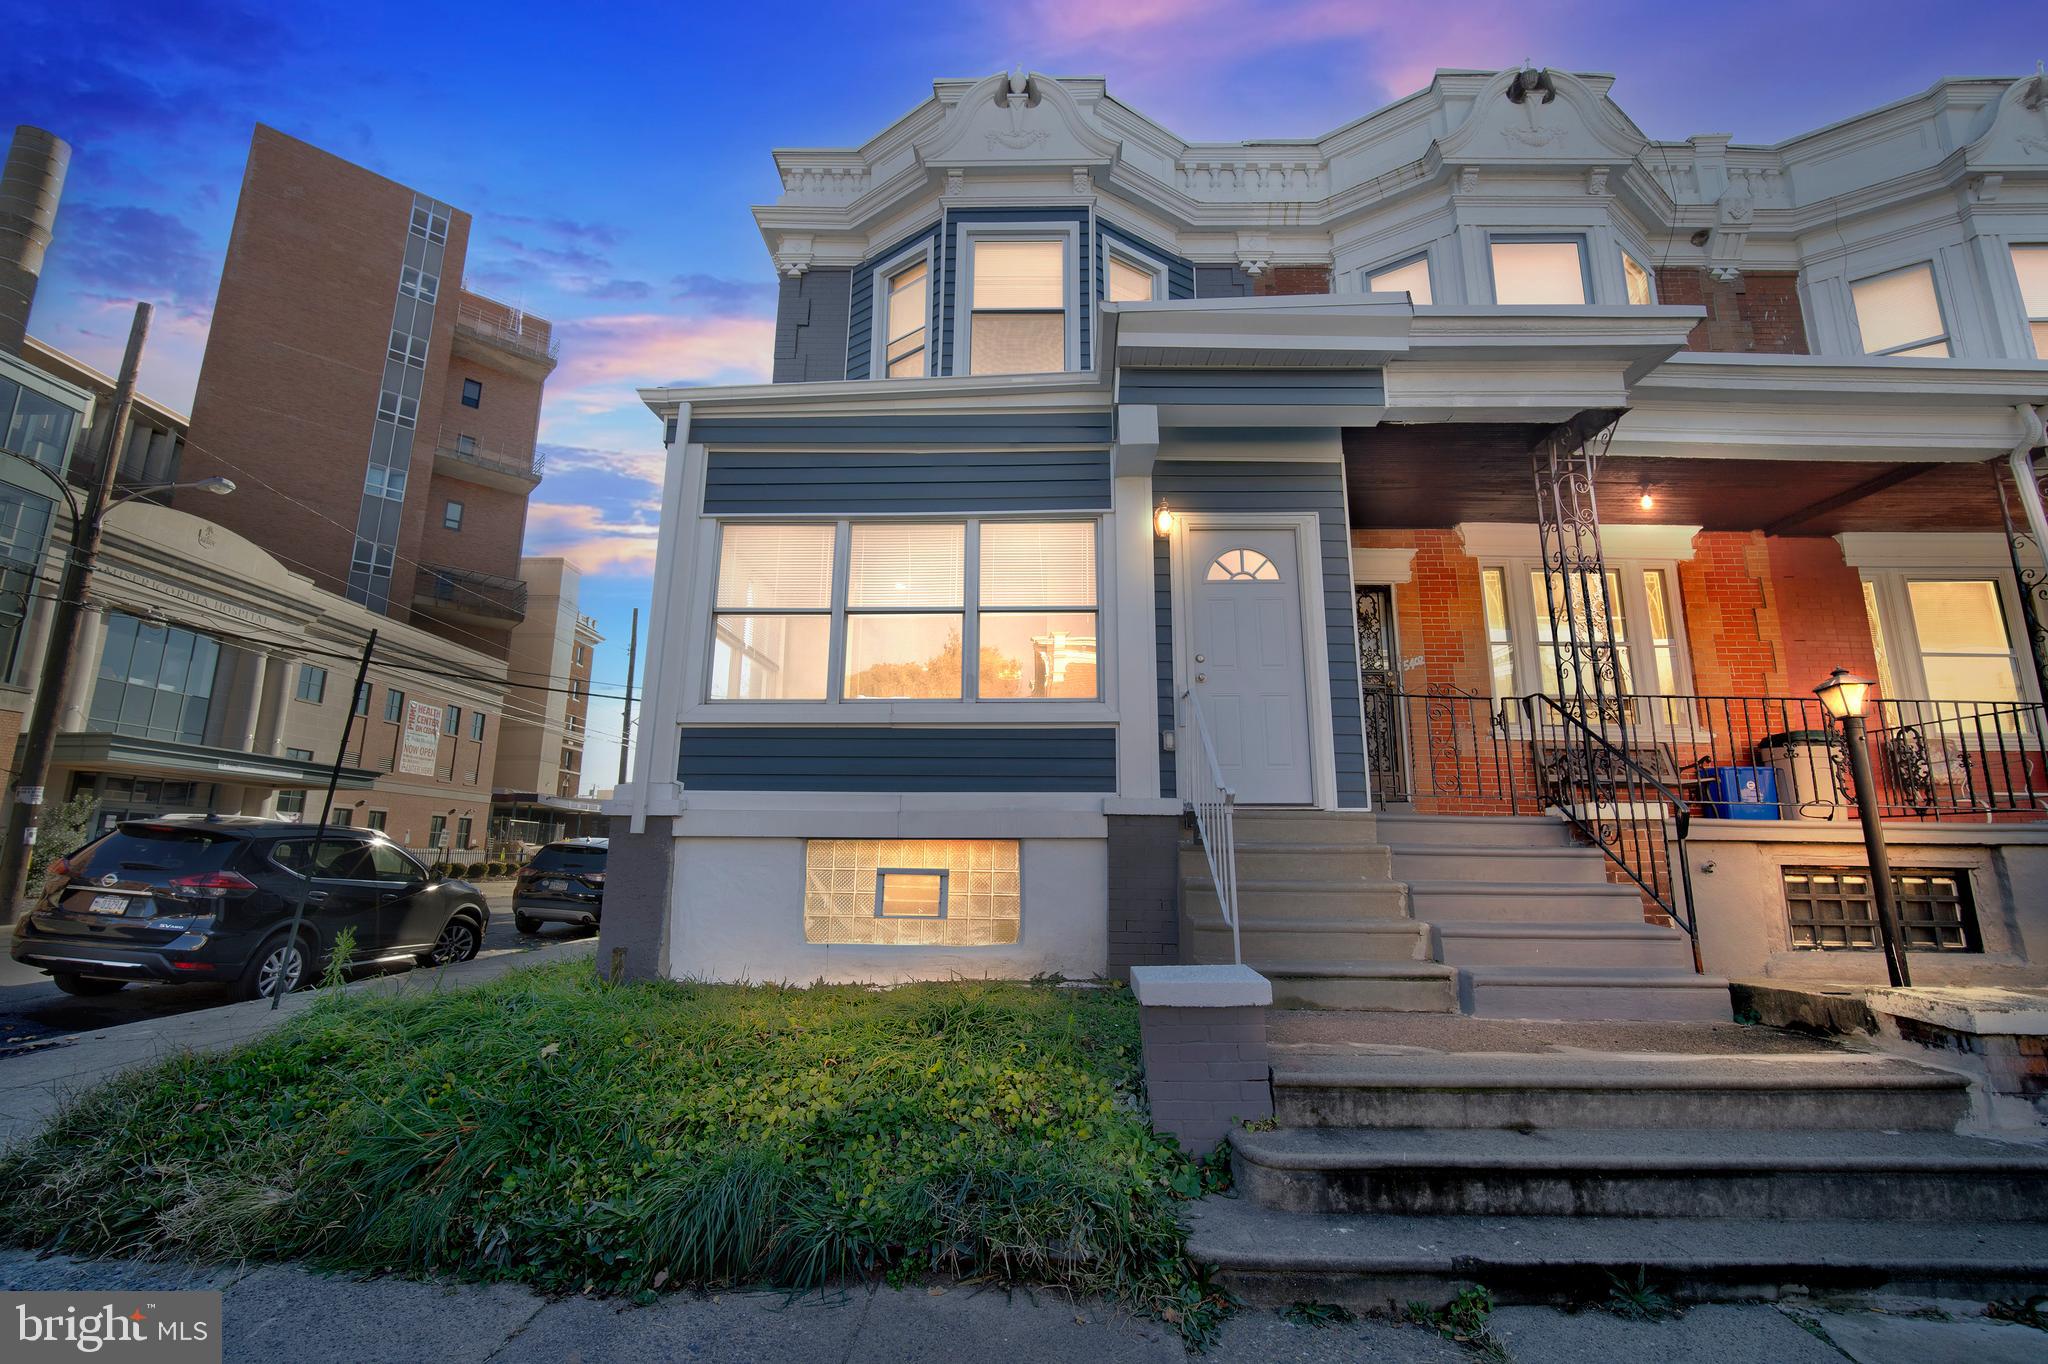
[{"x": 1453, "y": 514}]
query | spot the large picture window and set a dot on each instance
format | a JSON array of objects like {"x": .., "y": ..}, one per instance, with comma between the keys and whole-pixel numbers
[
  {"x": 854, "y": 611},
  {"x": 155, "y": 681},
  {"x": 1540, "y": 270}
]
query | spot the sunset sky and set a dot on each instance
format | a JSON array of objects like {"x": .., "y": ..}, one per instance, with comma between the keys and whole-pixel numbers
[{"x": 610, "y": 152}]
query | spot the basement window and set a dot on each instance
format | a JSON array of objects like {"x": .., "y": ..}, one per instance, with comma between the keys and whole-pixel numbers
[
  {"x": 1831, "y": 909},
  {"x": 875, "y": 892}
]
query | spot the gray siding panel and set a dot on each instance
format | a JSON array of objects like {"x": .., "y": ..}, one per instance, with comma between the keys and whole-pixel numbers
[
  {"x": 860, "y": 326},
  {"x": 810, "y": 327},
  {"x": 1201, "y": 485},
  {"x": 853, "y": 758},
  {"x": 1281, "y": 387},
  {"x": 852, "y": 485},
  {"x": 987, "y": 429},
  {"x": 1222, "y": 281}
]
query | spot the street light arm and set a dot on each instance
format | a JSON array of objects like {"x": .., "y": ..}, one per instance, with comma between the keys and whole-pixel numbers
[{"x": 219, "y": 486}]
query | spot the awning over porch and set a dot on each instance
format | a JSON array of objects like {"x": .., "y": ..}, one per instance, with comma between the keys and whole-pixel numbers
[{"x": 128, "y": 754}]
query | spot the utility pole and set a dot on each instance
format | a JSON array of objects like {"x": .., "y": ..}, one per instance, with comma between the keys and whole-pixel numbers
[
  {"x": 313, "y": 868},
  {"x": 626, "y": 725},
  {"x": 32, "y": 755}
]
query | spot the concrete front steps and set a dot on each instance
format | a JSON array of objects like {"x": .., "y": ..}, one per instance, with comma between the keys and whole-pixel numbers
[
  {"x": 1320, "y": 915},
  {"x": 1416, "y": 1157},
  {"x": 1534, "y": 927}
]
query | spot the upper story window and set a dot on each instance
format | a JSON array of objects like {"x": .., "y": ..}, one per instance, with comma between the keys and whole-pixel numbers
[
  {"x": 1019, "y": 321},
  {"x": 451, "y": 721},
  {"x": 154, "y": 680},
  {"x": 1410, "y": 277},
  {"x": 1899, "y": 313},
  {"x": 472, "y": 393},
  {"x": 2030, "y": 263},
  {"x": 909, "y": 619},
  {"x": 451, "y": 516},
  {"x": 906, "y": 320},
  {"x": 1132, "y": 280},
  {"x": 1540, "y": 270},
  {"x": 312, "y": 683},
  {"x": 1635, "y": 276},
  {"x": 394, "y": 705},
  {"x": 35, "y": 425}
]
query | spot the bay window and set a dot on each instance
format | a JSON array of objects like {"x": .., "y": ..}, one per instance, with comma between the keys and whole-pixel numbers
[
  {"x": 1635, "y": 276},
  {"x": 903, "y": 610},
  {"x": 905, "y": 318},
  {"x": 1131, "y": 280},
  {"x": 1539, "y": 270},
  {"x": 2030, "y": 263},
  {"x": 1410, "y": 277},
  {"x": 1017, "y": 303},
  {"x": 1899, "y": 313}
]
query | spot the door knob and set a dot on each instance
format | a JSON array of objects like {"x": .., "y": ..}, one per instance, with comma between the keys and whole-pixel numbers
[
  {"x": 1201, "y": 658},
  {"x": 1201, "y": 677}
]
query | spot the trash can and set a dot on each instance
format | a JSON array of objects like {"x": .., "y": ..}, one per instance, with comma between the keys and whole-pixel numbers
[
  {"x": 1741, "y": 792},
  {"x": 1804, "y": 760}
]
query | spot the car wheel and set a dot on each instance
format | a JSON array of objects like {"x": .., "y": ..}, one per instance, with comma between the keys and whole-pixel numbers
[
  {"x": 525, "y": 924},
  {"x": 85, "y": 985},
  {"x": 280, "y": 956},
  {"x": 458, "y": 942}
]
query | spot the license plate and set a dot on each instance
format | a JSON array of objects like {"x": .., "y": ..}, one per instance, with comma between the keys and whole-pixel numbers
[
  {"x": 554, "y": 885},
  {"x": 108, "y": 904}
]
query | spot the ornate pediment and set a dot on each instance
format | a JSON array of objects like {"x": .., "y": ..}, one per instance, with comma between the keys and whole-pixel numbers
[
  {"x": 1547, "y": 115},
  {"x": 2018, "y": 133},
  {"x": 1017, "y": 119}
]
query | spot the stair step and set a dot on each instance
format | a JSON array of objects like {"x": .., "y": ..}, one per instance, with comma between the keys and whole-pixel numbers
[
  {"x": 1398, "y": 987},
  {"x": 1476, "y": 831},
  {"x": 1339, "y": 862},
  {"x": 1529, "y": 1091},
  {"x": 1306, "y": 826},
  {"x": 1546, "y": 867},
  {"x": 1273, "y": 1259},
  {"x": 1642, "y": 1172},
  {"x": 1522, "y": 902},
  {"x": 1367, "y": 940},
  {"x": 1568, "y": 992},
  {"x": 1302, "y": 899},
  {"x": 1493, "y": 943}
]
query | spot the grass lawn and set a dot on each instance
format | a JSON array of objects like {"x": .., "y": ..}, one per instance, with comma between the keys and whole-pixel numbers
[{"x": 575, "y": 1136}]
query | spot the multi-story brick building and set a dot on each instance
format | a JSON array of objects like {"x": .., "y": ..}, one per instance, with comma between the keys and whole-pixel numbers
[
  {"x": 540, "y": 757},
  {"x": 379, "y": 418},
  {"x": 1483, "y": 457}
]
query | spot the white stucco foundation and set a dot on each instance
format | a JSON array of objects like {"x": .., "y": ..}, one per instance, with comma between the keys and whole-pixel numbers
[{"x": 738, "y": 906}]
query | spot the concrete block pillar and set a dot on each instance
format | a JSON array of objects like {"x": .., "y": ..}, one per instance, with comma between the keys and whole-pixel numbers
[
  {"x": 633, "y": 936},
  {"x": 1206, "y": 1063}
]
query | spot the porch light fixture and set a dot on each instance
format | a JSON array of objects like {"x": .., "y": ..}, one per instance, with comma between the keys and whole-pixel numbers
[
  {"x": 1162, "y": 519},
  {"x": 1844, "y": 695},
  {"x": 1647, "y": 501}
]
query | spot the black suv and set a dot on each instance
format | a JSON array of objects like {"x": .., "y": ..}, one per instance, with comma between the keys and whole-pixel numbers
[
  {"x": 192, "y": 899},
  {"x": 564, "y": 884}
]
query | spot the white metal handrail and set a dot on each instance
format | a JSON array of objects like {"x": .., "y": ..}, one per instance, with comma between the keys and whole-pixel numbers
[{"x": 1215, "y": 807}]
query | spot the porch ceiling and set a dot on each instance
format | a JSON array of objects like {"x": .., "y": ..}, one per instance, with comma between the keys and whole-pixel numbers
[{"x": 1438, "y": 476}]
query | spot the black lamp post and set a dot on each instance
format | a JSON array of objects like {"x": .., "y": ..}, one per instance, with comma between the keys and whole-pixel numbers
[{"x": 1843, "y": 694}]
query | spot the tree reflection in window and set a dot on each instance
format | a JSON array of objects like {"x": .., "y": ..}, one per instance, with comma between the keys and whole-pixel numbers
[{"x": 1242, "y": 566}]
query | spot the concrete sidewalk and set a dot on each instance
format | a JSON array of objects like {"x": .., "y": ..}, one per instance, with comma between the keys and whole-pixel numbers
[
  {"x": 282, "y": 1311},
  {"x": 32, "y": 1086}
]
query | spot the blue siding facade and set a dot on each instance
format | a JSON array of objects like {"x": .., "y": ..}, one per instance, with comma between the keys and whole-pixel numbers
[
  {"x": 1205, "y": 485},
  {"x": 949, "y": 257},
  {"x": 853, "y": 758},
  {"x": 860, "y": 315},
  {"x": 867, "y": 484}
]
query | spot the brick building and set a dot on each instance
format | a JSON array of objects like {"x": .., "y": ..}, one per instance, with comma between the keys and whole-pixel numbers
[
  {"x": 349, "y": 370},
  {"x": 540, "y": 768}
]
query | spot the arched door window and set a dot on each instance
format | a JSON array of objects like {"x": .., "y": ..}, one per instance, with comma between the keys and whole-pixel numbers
[{"x": 1242, "y": 566}]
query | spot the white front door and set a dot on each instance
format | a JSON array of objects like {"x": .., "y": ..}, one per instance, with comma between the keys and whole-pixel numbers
[{"x": 1244, "y": 661}]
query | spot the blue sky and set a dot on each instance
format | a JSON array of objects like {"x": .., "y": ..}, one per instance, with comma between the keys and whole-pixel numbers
[{"x": 610, "y": 153}]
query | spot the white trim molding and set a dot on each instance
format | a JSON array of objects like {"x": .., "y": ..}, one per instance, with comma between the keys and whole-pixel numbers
[
  {"x": 1518, "y": 540},
  {"x": 1377, "y": 566}
]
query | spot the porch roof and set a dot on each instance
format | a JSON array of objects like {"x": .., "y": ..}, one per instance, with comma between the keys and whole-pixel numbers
[{"x": 1438, "y": 476}]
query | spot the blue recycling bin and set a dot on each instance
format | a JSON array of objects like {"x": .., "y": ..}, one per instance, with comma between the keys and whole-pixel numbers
[{"x": 1742, "y": 793}]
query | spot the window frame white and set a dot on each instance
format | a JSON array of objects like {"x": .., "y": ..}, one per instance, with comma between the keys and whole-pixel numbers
[
  {"x": 878, "y": 296},
  {"x": 1373, "y": 272},
  {"x": 968, "y": 235},
  {"x": 2029, "y": 319},
  {"x": 1630, "y": 256},
  {"x": 1947, "y": 337},
  {"x": 1578, "y": 239},
  {"x": 1903, "y": 655},
  {"x": 1113, "y": 249},
  {"x": 1524, "y": 645},
  {"x": 836, "y": 706}
]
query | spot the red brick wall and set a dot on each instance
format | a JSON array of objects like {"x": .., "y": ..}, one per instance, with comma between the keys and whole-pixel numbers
[
  {"x": 1757, "y": 311},
  {"x": 1291, "y": 279},
  {"x": 1731, "y": 616},
  {"x": 1821, "y": 611}
]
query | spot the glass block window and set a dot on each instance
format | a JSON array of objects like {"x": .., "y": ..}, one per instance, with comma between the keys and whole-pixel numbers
[
  {"x": 912, "y": 892},
  {"x": 1832, "y": 909}
]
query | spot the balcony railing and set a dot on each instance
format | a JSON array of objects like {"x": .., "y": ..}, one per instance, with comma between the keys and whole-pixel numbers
[
  {"x": 528, "y": 467},
  {"x": 503, "y": 325},
  {"x": 1732, "y": 757},
  {"x": 465, "y": 591}
]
